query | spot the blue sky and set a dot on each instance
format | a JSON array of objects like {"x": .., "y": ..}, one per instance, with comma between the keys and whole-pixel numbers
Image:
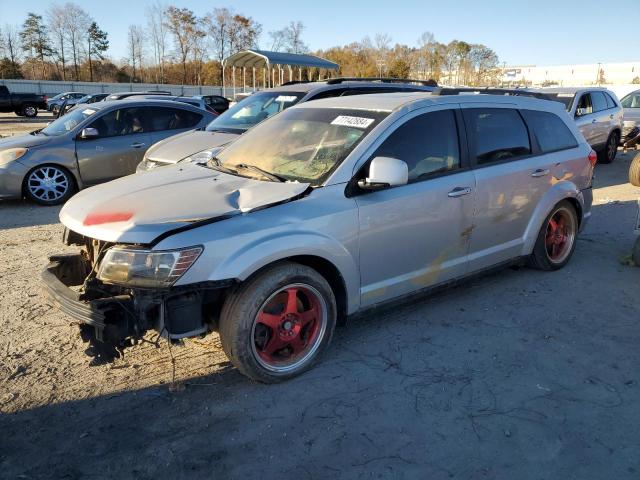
[{"x": 521, "y": 32}]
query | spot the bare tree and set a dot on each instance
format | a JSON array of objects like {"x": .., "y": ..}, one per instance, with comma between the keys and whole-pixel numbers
[
  {"x": 289, "y": 39},
  {"x": 56, "y": 18},
  {"x": 12, "y": 44},
  {"x": 199, "y": 49},
  {"x": 158, "y": 35},
  {"x": 76, "y": 28},
  {"x": 181, "y": 22},
  {"x": 135, "y": 38}
]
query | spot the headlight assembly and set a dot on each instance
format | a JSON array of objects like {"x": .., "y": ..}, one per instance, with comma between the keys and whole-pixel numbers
[
  {"x": 12, "y": 154},
  {"x": 144, "y": 268},
  {"x": 203, "y": 156}
]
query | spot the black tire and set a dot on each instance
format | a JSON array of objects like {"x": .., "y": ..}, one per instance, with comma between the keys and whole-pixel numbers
[
  {"x": 29, "y": 110},
  {"x": 541, "y": 258},
  {"x": 40, "y": 196},
  {"x": 239, "y": 325},
  {"x": 634, "y": 171},
  {"x": 18, "y": 113},
  {"x": 608, "y": 153}
]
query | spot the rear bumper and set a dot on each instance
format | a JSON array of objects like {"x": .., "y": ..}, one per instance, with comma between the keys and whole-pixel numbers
[{"x": 587, "y": 201}]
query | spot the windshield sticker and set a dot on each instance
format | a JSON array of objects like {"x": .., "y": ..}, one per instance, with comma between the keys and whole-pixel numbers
[
  {"x": 286, "y": 98},
  {"x": 88, "y": 111},
  {"x": 357, "y": 122},
  {"x": 566, "y": 95}
]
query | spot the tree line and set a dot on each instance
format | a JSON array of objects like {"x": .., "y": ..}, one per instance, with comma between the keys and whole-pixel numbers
[{"x": 179, "y": 47}]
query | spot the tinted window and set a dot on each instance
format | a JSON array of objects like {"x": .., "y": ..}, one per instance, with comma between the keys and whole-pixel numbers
[
  {"x": 124, "y": 121},
  {"x": 163, "y": 118},
  {"x": 610, "y": 102},
  {"x": 427, "y": 143},
  {"x": 496, "y": 134},
  {"x": 598, "y": 101},
  {"x": 585, "y": 104},
  {"x": 550, "y": 131}
]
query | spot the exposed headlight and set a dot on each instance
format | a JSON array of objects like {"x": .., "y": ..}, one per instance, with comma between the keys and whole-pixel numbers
[
  {"x": 203, "y": 156},
  {"x": 144, "y": 268},
  {"x": 12, "y": 154}
]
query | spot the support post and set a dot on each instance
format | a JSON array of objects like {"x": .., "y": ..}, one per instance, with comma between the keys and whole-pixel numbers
[
  {"x": 233, "y": 76},
  {"x": 254, "y": 79},
  {"x": 244, "y": 77}
]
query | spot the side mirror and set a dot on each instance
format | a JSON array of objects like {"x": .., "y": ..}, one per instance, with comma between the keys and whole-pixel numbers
[
  {"x": 385, "y": 172},
  {"x": 88, "y": 133}
]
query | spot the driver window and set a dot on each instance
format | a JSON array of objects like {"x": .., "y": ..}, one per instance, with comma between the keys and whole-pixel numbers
[
  {"x": 585, "y": 104},
  {"x": 124, "y": 121},
  {"x": 427, "y": 143}
]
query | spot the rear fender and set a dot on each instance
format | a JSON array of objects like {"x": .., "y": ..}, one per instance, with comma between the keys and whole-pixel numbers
[{"x": 558, "y": 192}]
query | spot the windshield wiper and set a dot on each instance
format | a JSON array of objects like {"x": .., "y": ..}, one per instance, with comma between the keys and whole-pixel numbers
[
  {"x": 214, "y": 163},
  {"x": 271, "y": 176}
]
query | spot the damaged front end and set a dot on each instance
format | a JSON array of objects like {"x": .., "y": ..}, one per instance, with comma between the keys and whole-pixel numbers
[{"x": 117, "y": 307}]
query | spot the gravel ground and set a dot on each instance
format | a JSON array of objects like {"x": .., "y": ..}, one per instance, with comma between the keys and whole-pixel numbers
[{"x": 520, "y": 374}]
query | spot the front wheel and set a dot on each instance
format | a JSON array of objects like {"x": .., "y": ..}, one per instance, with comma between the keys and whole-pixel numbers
[
  {"x": 277, "y": 324},
  {"x": 557, "y": 238},
  {"x": 634, "y": 171},
  {"x": 49, "y": 185},
  {"x": 608, "y": 155}
]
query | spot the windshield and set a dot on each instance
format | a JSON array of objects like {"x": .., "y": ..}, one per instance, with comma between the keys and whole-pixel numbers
[
  {"x": 631, "y": 101},
  {"x": 67, "y": 123},
  {"x": 254, "y": 109},
  {"x": 304, "y": 144},
  {"x": 565, "y": 98}
]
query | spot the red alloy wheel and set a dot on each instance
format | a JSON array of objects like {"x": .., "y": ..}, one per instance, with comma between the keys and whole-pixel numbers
[
  {"x": 560, "y": 235},
  {"x": 289, "y": 327}
]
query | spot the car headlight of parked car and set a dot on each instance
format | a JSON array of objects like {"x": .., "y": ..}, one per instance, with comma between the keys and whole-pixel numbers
[
  {"x": 145, "y": 268},
  {"x": 203, "y": 156},
  {"x": 12, "y": 154}
]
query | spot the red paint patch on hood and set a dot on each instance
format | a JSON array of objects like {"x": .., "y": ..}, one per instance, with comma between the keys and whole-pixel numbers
[{"x": 100, "y": 218}]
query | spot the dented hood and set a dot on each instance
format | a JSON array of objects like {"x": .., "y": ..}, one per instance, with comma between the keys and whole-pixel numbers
[{"x": 139, "y": 208}]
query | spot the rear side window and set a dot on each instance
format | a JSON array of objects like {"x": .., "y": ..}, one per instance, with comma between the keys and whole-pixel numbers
[
  {"x": 610, "y": 102},
  {"x": 162, "y": 118},
  {"x": 549, "y": 130},
  {"x": 428, "y": 144},
  {"x": 598, "y": 101},
  {"x": 496, "y": 134}
]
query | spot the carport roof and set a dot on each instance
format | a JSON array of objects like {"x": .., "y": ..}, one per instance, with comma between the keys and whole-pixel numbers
[{"x": 265, "y": 58}]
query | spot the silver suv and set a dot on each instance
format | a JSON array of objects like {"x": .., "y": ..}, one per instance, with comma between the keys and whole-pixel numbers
[
  {"x": 597, "y": 113},
  {"x": 327, "y": 209}
]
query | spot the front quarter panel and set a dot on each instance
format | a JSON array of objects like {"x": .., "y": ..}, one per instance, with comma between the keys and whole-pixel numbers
[{"x": 323, "y": 224}]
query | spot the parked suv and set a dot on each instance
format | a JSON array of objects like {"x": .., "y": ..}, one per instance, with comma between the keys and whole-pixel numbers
[
  {"x": 54, "y": 103},
  {"x": 202, "y": 145},
  {"x": 90, "y": 144},
  {"x": 322, "y": 211},
  {"x": 597, "y": 113}
]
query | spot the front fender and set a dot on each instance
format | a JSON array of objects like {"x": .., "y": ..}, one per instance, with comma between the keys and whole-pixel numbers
[
  {"x": 560, "y": 191},
  {"x": 267, "y": 250}
]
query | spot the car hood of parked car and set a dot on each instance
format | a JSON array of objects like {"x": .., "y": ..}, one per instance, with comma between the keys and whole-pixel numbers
[
  {"x": 180, "y": 146},
  {"x": 23, "y": 141},
  {"x": 137, "y": 209}
]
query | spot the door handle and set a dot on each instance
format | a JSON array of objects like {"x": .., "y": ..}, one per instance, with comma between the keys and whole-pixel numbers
[
  {"x": 611, "y": 116},
  {"x": 593, "y": 121},
  {"x": 459, "y": 192},
  {"x": 540, "y": 172},
  {"x": 138, "y": 145}
]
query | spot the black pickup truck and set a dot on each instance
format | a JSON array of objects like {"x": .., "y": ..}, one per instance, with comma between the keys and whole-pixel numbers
[{"x": 23, "y": 104}]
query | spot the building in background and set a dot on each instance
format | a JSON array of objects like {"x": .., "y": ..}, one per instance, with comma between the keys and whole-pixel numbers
[{"x": 572, "y": 75}]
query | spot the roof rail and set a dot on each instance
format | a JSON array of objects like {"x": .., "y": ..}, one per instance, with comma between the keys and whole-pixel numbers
[
  {"x": 426, "y": 83},
  {"x": 296, "y": 82},
  {"x": 516, "y": 92}
]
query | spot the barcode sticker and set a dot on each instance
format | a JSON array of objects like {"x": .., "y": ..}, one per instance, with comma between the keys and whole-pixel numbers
[{"x": 356, "y": 122}]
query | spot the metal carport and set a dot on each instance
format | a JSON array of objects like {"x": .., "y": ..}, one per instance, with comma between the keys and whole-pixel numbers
[{"x": 268, "y": 61}]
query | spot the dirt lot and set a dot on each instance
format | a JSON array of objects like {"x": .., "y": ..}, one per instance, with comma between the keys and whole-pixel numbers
[{"x": 520, "y": 374}]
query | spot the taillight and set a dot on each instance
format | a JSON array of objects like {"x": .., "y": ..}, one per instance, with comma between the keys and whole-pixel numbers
[{"x": 593, "y": 157}]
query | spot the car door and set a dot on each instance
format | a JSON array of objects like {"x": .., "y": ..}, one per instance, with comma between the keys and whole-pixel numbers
[
  {"x": 168, "y": 121},
  {"x": 121, "y": 143},
  {"x": 510, "y": 180},
  {"x": 603, "y": 116},
  {"x": 586, "y": 118},
  {"x": 417, "y": 235}
]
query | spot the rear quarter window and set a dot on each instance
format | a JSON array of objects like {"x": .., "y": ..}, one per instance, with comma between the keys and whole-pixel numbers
[
  {"x": 551, "y": 133},
  {"x": 496, "y": 134}
]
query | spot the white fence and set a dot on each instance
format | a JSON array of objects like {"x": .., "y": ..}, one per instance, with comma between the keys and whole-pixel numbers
[{"x": 51, "y": 88}]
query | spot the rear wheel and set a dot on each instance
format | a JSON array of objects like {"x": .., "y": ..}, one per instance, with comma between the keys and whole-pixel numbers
[
  {"x": 18, "y": 113},
  {"x": 276, "y": 325},
  {"x": 557, "y": 238},
  {"x": 608, "y": 155},
  {"x": 634, "y": 171},
  {"x": 29, "y": 110},
  {"x": 49, "y": 185}
]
